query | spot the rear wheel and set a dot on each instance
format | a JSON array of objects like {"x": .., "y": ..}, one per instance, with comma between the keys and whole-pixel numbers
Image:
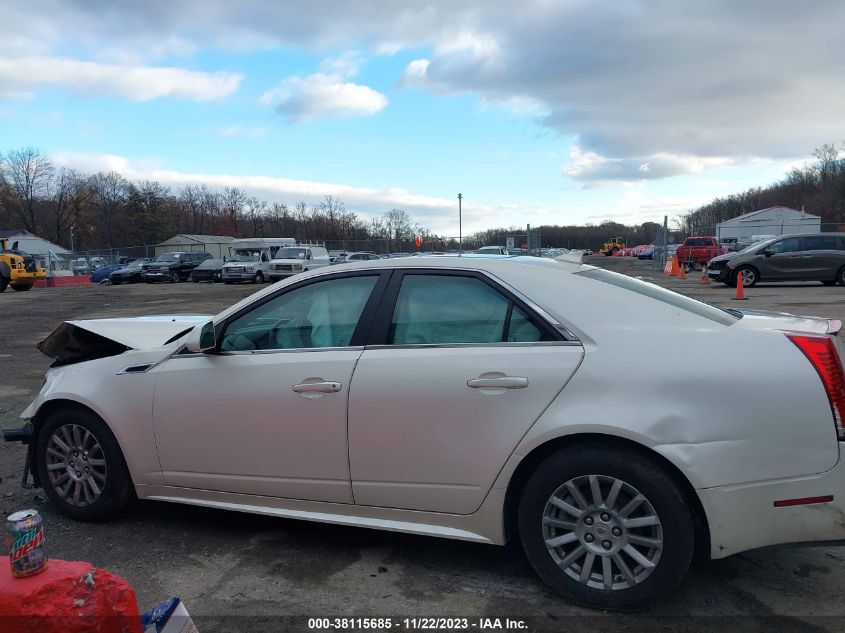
[
  {"x": 80, "y": 465},
  {"x": 21, "y": 287},
  {"x": 606, "y": 528},
  {"x": 4, "y": 281},
  {"x": 840, "y": 276}
]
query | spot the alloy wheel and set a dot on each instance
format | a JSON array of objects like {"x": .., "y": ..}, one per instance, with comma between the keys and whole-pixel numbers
[
  {"x": 602, "y": 532},
  {"x": 749, "y": 277},
  {"x": 76, "y": 465}
]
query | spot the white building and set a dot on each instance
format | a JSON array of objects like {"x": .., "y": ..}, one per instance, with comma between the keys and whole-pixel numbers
[
  {"x": 217, "y": 245},
  {"x": 771, "y": 221},
  {"x": 49, "y": 256}
]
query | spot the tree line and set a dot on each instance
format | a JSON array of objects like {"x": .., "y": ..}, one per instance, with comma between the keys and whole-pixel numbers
[
  {"x": 818, "y": 186},
  {"x": 105, "y": 210}
]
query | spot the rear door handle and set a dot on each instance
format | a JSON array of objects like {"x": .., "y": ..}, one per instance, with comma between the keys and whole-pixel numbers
[
  {"x": 328, "y": 386},
  {"x": 505, "y": 382}
]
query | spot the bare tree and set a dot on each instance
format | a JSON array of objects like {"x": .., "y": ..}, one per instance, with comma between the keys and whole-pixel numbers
[
  {"x": 67, "y": 194},
  {"x": 27, "y": 174},
  {"x": 109, "y": 191}
]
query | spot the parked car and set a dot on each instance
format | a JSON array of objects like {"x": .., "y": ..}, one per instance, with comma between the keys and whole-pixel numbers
[
  {"x": 698, "y": 250},
  {"x": 647, "y": 253},
  {"x": 172, "y": 267},
  {"x": 297, "y": 259},
  {"x": 250, "y": 258},
  {"x": 808, "y": 257},
  {"x": 465, "y": 398},
  {"x": 129, "y": 274},
  {"x": 103, "y": 273},
  {"x": 208, "y": 270},
  {"x": 80, "y": 266},
  {"x": 360, "y": 256},
  {"x": 492, "y": 250}
]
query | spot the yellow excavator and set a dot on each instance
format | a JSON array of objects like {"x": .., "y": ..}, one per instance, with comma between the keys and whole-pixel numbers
[
  {"x": 17, "y": 269},
  {"x": 615, "y": 244}
]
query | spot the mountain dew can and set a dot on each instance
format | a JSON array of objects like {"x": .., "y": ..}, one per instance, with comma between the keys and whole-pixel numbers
[{"x": 25, "y": 536}]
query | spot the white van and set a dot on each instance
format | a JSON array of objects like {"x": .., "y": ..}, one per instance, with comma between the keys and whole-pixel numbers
[
  {"x": 492, "y": 250},
  {"x": 296, "y": 259},
  {"x": 249, "y": 259}
]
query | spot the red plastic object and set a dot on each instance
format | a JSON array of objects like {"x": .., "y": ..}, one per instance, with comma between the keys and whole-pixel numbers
[
  {"x": 56, "y": 282},
  {"x": 67, "y": 597}
]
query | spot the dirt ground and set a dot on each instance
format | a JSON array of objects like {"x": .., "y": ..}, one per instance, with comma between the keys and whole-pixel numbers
[{"x": 225, "y": 564}]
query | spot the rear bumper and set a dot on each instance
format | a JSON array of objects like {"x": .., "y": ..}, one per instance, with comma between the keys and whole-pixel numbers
[{"x": 744, "y": 517}]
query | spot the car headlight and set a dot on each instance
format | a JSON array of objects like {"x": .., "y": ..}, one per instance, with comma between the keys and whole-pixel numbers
[
  {"x": 249, "y": 269},
  {"x": 297, "y": 267}
]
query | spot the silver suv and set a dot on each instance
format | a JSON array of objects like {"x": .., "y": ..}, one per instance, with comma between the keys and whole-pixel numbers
[{"x": 808, "y": 257}]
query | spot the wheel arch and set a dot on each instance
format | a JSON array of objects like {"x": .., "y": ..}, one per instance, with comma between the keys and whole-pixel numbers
[
  {"x": 49, "y": 407},
  {"x": 538, "y": 454}
]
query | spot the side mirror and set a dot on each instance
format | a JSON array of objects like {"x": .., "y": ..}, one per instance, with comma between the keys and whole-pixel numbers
[
  {"x": 768, "y": 252},
  {"x": 202, "y": 338}
]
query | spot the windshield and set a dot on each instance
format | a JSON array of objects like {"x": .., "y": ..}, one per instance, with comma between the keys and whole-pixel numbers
[
  {"x": 291, "y": 253},
  {"x": 246, "y": 255},
  {"x": 757, "y": 245},
  {"x": 168, "y": 257}
]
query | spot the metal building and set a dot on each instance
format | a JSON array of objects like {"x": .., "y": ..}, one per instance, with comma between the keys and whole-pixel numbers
[
  {"x": 771, "y": 221},
  {"x": 217, "y": 245}
]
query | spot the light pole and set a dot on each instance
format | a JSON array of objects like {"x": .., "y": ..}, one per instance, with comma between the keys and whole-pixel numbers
[{"x": 460, "y": 231}]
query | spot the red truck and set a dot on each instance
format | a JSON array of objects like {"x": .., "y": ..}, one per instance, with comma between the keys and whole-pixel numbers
[{"x": 698, "y": 250}]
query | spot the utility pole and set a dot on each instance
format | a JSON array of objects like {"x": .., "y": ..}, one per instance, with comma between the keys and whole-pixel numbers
[
  {"x": 71, "y": 238},
  {"x": 460, "y": 227}
]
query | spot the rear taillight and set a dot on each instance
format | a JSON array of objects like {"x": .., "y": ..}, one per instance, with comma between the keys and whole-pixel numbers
[{"x": 822, "y": 353}]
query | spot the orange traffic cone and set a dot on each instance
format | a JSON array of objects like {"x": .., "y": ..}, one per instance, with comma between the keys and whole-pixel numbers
[
  {"x": 682, "y": 271},
  {"x": 740, "y": 288},
  {"x": 673, "y": 267},
  {"x": 705, "y": 280}
]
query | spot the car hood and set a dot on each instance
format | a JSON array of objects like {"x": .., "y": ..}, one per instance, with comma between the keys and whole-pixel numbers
[
  {"x": 767, "y": 320},
  {"x": 78, "y": 341},
  {"x": 288, "y": 261},
  {"x": 724, "y": 258}
]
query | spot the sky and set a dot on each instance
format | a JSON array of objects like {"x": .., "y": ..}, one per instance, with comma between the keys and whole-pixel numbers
[{"x": 538, "y": 112}]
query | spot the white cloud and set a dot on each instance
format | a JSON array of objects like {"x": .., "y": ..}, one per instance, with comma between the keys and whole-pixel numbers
[
  {"x": 243, "y": 131},
  {"x": 591, "y": 167},
  {"x": 345, "y": 65},
  {"x": 301, "y": 99},
  {"x": 138, "y": 83},
  {"x": 439, "y": 214}
]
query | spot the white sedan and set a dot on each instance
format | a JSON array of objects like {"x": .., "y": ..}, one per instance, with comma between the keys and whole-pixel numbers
[{"x": 614, "y": 426}]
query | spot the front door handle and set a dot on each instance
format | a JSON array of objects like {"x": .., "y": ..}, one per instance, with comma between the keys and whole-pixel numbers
[
  {"x": 504, "y": 382},
  {"x": 328, "y": 386}
]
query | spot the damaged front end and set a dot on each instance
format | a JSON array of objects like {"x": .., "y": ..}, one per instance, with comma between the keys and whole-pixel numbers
[
  {"x": 75, "y": 342},
  {"x": 70, "y": 344}
]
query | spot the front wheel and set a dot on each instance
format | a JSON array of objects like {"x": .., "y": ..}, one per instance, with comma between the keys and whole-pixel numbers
[
  {"x": 80, "y": 465},
  {"x": 840, "y": 276},
  {"x": 4, "y": 281},
  {"x": 749, "y": 276},
  {"x": 259, "y": 278},
  {"x": 606, "y": 528},
  {"x": 21, "y": 287}
]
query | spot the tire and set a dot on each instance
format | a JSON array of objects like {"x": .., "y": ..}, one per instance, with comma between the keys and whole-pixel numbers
[
  {"x": 116, "y": 282},
  {"x": 613, "y": 251},
  {"x": 174, "y": 278},
  {"x": 601, "y": 528},
  {"x": 110, "y": 478},
  {"x": 21, "y": 287},
  {"x": 259, "y": 278},
  {"x": 228, "y": 282},
  {"x": 750, "y": 276},
  {"x": 830, "y": 282},
  {"x": 4, "y": 281},
  {"x": 840, "y": 276}
]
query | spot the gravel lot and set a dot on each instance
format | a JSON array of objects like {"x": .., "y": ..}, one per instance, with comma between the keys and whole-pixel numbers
[{"x": 225, "y": 563}]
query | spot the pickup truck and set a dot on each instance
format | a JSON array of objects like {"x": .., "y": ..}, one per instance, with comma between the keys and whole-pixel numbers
[{"x": 698, "y": 250}]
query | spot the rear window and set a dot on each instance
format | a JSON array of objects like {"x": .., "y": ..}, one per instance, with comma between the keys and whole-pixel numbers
[
  {"x": 698, "y": 241},
  {"x": 661, "y": 294}
]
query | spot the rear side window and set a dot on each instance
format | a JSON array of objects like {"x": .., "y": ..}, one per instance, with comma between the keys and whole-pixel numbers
[
  {"x": 653, "y": 291},
  {"x": 821, "y": 243},
  {"x": 444, "y": 309}
]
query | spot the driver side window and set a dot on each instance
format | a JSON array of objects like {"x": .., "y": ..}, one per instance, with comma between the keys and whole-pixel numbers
[
  {"x": 789, "y": 245},
  {"x": 321, "y": 314}
]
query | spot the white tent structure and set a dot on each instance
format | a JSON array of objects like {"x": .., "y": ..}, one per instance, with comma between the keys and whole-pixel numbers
[
  {"x": 771, "y": 221},
  {"x": 49, "y": 255},
  {"x": 217, "y": 245}
]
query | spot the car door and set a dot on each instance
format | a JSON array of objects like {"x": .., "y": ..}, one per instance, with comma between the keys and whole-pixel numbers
[
  {"x": 785, "y": 262},
  {"x": 266, "y": 413},
  {"x": 457, "y": 370},
  {"x": 820, "y": 257}
]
